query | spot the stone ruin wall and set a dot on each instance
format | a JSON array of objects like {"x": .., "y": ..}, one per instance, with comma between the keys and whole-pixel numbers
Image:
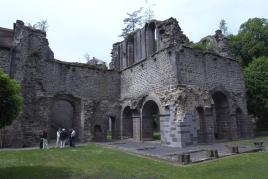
[
  {"x": 4, "y": 59},
  {"x": 179, "y": 122},
  {"x": 6, "y": 36},
  {"x": 92, "y": 92},
  {"x": 212, "y": 73},
  {"x": 155, "y": 73},
  {"x": 155, "y": 59},
  {"x": 175, "y": 63}
]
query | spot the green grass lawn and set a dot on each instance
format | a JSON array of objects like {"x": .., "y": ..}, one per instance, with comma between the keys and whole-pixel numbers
[{"x": 92, "y": 161}]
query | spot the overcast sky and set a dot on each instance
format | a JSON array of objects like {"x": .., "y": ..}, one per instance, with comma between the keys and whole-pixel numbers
[{"x": 77, "y": 27}]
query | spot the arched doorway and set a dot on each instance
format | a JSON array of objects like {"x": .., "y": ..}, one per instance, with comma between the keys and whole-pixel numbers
[
  {"x": 111, "y": 134},
  {"x": 201, "y": 125},
  {"x": 98, "y": 134},
  {"x": 222, "y": 129},
  {"x": 61, "y": 117},
  {"x": 127, "y": 123},
  {"x": 150, "y": 121},
  {"x": 239, "y": 120}
]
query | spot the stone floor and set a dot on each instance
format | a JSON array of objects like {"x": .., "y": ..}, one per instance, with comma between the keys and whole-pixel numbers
[{"x": 198, "y": 153}]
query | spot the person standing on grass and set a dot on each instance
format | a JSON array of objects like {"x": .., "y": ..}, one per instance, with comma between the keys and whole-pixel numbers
[
  {"x": 63, "y": 138},
  {"x": 72, "y": 138},
  {"x": 58, "y": 137},
  {"x": 45, "y": 143},
  {"x": 41, "y": 140}
]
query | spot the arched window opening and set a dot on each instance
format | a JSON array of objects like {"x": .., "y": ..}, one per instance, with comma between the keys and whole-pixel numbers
[
  {"x": 151, "y": 37},
  {"x": 111, "y": 128}
]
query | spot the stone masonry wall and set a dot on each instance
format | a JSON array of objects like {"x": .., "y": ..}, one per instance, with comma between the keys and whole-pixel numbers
[
  {"x": 154, "y": 73},
  {"x": 45, "y": 80},
  {"x": 210, "y": 71},
  {"x": 4, "y": 59}
]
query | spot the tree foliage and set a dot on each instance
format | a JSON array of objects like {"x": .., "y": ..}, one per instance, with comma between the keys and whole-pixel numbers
[
  {"x": 41, "y": 25},
  {"x": 148, "y": 13},
  {"x": 251, "y": 41},
  {"x": 256, "y": 77},
  {"x": 132, "y": 22},
  {"x": 223, "y": 27},
  {"x": 10, "y": 101},
  {"x": 203, "y": 45}
]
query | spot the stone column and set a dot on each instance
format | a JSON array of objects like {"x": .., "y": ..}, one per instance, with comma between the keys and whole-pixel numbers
[
  {"x": 209, "y": 118},
  {"x": 136, "y": 128}
]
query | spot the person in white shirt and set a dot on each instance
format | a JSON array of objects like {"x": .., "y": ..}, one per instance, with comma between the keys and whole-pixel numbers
[
  {"x": 58, "y": 137},
  {"x": 72, "y": 138},
  {"x": 63, "y": 138}
]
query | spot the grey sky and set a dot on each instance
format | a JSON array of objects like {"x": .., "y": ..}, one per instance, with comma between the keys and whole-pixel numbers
[{"x": 77, "y": 27}]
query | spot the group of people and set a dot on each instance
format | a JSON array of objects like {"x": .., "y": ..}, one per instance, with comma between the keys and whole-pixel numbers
[{"x": 62, "y": 137}]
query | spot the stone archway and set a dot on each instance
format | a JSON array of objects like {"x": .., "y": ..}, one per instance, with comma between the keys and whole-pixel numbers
[
  {"x": 62, "y": 116},
  {"x": 98, "y": 133},
  {"x": 239, "y": 122},
  {"x": 150, "y": 120},
  {"x": 127, "y": 123},
  {"x": 222, "y": 125},
  {"x": 65, "y": 112},
  {"x": 151, "y": 39},
  {"x": 111, "y": 133},
  {"x": 201, "y": 125}
]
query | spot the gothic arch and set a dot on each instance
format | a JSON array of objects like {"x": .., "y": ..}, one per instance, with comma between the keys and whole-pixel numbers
[
  {"x": 65, "y": 112},
  {"x": 222, "y": 123},
  {"x": 127, "y": 122}
]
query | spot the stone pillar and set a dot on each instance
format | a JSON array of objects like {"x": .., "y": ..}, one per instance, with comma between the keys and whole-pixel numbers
[
  {"x": 121, "y": 126},
  {"x": 136, "y": 128},
  {"x": 209, "y": 118},
  {"x": 130, "y": 53},
  {"x": 233, "y": 126}
]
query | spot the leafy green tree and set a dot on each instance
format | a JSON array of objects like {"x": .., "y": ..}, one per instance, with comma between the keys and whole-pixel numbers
[
  {"x": 251, "y": 41},
  {"x": 10, "y": 101},
  {"x": 256, "y": 77},
  {"x": 132, "y": 22},
  {"x": 223, "y": 27}
]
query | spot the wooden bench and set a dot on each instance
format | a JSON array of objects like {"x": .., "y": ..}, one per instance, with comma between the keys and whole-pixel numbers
[{"x": 184, "y": 158}]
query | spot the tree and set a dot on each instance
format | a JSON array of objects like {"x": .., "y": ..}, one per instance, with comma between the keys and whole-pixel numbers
[
  {"x": 251, "y": 41},
  {"x": 148, "y": 13},
  {"x": 87, "y": 57},
  {"x": 41, "y": 25},
  {"x": 10, "y": 101},
  {"x": 256, "y": 77},
  {"x": 223, "y": 27},
  {"x": 132, "y": 22}
]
